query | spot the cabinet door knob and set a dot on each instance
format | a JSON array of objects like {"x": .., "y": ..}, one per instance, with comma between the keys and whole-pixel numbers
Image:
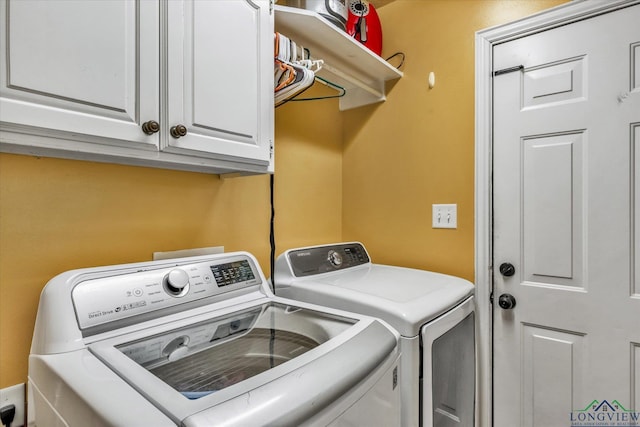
[
  {"x": 150, "y": 127},
  {"x": 178, "y": 130}
]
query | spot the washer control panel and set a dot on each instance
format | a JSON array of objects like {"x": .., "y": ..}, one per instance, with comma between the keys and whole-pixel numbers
[
  {"x": 108, "y": 299},
  {"x": 324, "y": 259}
]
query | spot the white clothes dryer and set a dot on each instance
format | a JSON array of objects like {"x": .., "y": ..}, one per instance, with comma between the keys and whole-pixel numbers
[
  {"x": 434, "y": 314},
  {"x": 202, "y": 341}
]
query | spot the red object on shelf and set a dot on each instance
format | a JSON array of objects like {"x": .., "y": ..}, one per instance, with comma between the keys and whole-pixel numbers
[{"x": 363, "y": 24}]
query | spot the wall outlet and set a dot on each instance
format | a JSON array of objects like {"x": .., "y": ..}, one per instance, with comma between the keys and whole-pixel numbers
[
  {"x": 445, "y": 216},
  {"x": 14, "y": 395}
]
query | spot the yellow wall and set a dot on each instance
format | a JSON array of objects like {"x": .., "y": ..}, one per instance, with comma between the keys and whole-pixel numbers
[
  {"x": 417, "y": 148},
  {"x": 57, "y": 215}
]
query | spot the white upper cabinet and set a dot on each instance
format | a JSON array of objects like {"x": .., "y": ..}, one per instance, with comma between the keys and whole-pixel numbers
[
  {"x": 219, "y": 62},
  {"x": 108, "y": 80},
  {"x": 88, "y": 68}
]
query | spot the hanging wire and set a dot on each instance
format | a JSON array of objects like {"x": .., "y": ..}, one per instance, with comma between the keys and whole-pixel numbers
[
  {"x": 326, "y": 82},
  {"x": 401, "y": 61}
]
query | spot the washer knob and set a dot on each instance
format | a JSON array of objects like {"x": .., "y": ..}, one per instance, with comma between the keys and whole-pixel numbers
[{"x": 177, "y": 280}]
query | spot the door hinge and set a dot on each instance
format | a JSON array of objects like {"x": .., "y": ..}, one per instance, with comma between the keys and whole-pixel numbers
[
  {"x": 508, "y": 70},
  {"x": 491, "y": 298}
]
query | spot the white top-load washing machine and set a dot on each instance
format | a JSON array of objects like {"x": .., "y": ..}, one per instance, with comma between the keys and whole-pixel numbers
[
  {"x": 434, "y": 314},
  {"x": 202, "y": 341}
]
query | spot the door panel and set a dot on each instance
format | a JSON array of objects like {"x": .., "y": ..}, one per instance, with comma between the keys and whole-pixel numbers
[
  {"x": 635, "y": 149},
  {"x": 565, "y": 208},
  {"x": 554, "y": 360},
  {"x": 211, "y": 100},
  {"x": 635, "y": 368},
  {"x": 635, "y": 63},
  {"x": 41, "y": 33},
  {"x": 558, "y": 82},
  {"x": 552, "y": 195}
]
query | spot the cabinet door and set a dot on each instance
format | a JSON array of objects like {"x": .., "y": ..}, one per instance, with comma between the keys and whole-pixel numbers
[
  {"x": 81, "y": 70},
  {"x": 219, "y": 78}
]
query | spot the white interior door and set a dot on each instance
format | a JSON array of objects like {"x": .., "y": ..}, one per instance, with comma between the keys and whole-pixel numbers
[{"x": 566, "y": 200}]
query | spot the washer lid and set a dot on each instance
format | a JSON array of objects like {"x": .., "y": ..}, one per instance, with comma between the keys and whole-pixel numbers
[
  {"x": 288, "y": 361},
  {"x": 405, "y": 298}
]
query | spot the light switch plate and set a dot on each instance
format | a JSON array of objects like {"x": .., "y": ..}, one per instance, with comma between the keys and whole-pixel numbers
[{"x": 445, "y": 216}]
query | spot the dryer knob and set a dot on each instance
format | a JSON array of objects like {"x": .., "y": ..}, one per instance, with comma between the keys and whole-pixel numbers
[
  {"x": 334, "y": 258},
  {"x": 176, "y": 281}
]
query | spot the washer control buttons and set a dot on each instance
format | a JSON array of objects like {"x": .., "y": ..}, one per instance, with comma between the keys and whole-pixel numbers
[
  {"x": 176, "y": 283},
  {"x": 334, "y": 258}
]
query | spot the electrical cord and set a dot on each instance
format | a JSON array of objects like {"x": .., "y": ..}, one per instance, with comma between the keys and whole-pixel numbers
[
  {"x": 272, "y": 235},
  {"x": 7, "y": 413}
]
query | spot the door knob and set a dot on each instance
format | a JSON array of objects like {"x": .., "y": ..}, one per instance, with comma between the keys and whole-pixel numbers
[
  {"x": 150, "y": 127},
  {"x": 506, "y": 301},
  {"x": 178, "y": 130},
  {"x": 507, "y": 269}
]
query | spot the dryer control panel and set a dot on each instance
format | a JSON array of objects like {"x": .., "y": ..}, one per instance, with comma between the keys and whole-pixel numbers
[
  {"x": 172, "y": 287},
  {"x": 324, "y": 259}
]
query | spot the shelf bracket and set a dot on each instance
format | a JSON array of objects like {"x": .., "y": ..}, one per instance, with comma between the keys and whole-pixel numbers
[{"x": 353, "y": 81}]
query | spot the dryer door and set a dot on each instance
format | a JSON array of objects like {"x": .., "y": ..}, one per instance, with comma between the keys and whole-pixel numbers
[{"x": 449, "y": 368}]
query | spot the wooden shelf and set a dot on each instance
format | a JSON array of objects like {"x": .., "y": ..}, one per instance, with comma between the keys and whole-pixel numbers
[{"x": 348, "y": 63}]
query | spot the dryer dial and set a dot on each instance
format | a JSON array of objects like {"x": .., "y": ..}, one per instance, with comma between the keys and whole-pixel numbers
[{"x": 334, "y": 258}]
